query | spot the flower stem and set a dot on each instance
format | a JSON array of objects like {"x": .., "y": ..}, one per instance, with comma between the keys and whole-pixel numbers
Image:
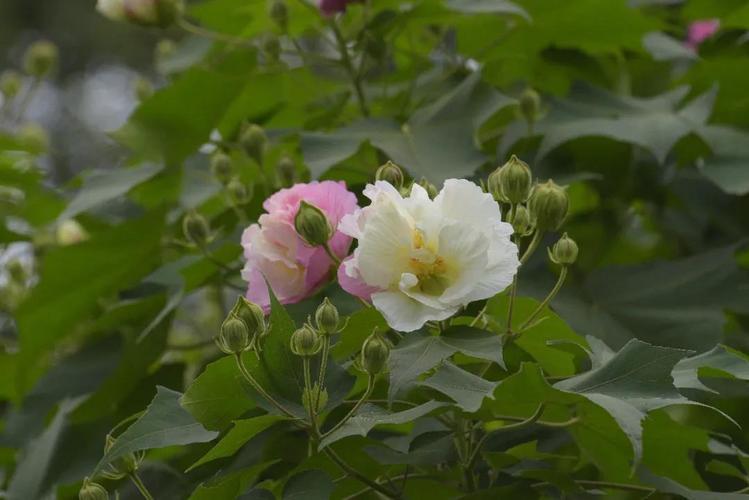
[
  {"x": 324, "y": 354},
  {"x": 545, "y": 302},
  {"x": 210, "y": 34},
  {"x": 346, "y": 61},
  {"x": 359, "y": 476},
  {"x": 537, "y": 235},
  {"x": 511, "y": 305},
  {"x": 353, "y": 410},
  {"x": 255, "y": 385},
  {"x": 141, "y": 486},
  {"x": 308, "y": 387},
  {"x": 331, "y": 254}
]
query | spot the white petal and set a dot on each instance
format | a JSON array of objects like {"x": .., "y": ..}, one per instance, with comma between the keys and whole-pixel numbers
[
  {"x": 405, "y": 314},
  {"x": 464, "y": 248},
  {"x": 464, "y": 201}
]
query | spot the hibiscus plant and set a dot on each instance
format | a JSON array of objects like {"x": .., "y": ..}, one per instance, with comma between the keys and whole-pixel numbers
[{"x": 444, "y": 249}]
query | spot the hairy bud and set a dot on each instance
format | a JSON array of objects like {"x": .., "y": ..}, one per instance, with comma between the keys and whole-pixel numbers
[
  {"x": 548, "y": 206},
  {"x": 10, "y": 83},
  {"x": 286, "y": 171},
  {"x": 374, "y": 354},
  {"x": 305, "y": 342},
  {"x": 40, "y": 58},
  {"x": 252, "y": 315},
  {"x": 221, "y": 167},
  {"x": 312, "y": 224},
  {"x": 515, "y": 180},
  {"x": 430, "y": 188},
  {"x": 122, "y": 466},
  {"x": 521, "y": 221},
  {"x": 239, "y": 192},
  {"x": 92, "y": 491},
  {"x": 564, "y": 251},
  {"x": 234, "y": 337},
  {"x": 530, "y": 105},
  {"x": 494, "y": 185},
  {"x": 390, "y": 172},
  {"x": 253, "y": 140},
  {"x": 195, "y": 228},
  {"x": 327, "y": 318}
]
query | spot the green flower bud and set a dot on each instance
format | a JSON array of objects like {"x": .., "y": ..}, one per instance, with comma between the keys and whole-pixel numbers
[
  {"x": 327, "y": 317},
  {"x": 521, "y": 222},
  {"x": 564, "y": 251},
  {"x": 548, "y": 206},
  {"x": 430, "y": 188},
  {"x": 312, "y": 224},
  {"x": 252, "y": 315},
  {"x": 40, "y": 58},
  {"x": 195, "y": 228},
  {"x": 515, "y": 180},
  {"x": 239, "y": 192},
  {"x": 286, "y": 171},
  {"x": 143, "y": 89},
  {"x": 92, "y": 491},
  {"x": 34, "y": 137},
  {"x": 494, "y": 185},
  {"x": 530, "y": 105},
  {"x": 374, "y": 354},
  {"x": 221, "y": 167},
  {"x": 315, "y": 397},
  {"x": 280, "y": 14},
  {"x": 305, "y": 342},
  {"x": 234, "y": 337},
  {"x": 10, "y": 83},
  {"x": 390, "y": 172},
  {"x": 253, "y": 140},
  {"x": 122, "y": 466}
]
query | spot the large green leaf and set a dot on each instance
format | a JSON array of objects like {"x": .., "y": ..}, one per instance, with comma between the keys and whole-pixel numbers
[
  {"x": 419, "y": 353},
  {"x": 728, "y": 167},
  {"x": 165, "y": 423},
  {"x": 309, "y": 485},
  {"x": 463, "y": 387},
  {"x": 230, "y": 485},
  {"x": 437, "y": 142},
  {"x": 686, "y": 373}
]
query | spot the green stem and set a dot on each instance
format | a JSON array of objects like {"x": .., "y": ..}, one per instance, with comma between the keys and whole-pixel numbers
[
  {"x": 332, "y": 255},
  {"x": 311, "y": 407},
  {"x": 209, "y": 256},
  {"x": 141, "y": 487},
  {"x": 511, "y": 304},
  {"x": 614, "y": 486},
  {"x": 346, "y": 61},
  {"x": 255, "y": 385},
  {"x": 523, "y": 423},
  {"x": 545, "y": 302},
  {"x": 353, "y": 410},
  {"x": 210, "y": 34},
  {"x": 359, "y": 476},
  {"x": 537, "y": 235},
  {"x": 479, "y": 315},
  {"x": 324, "y": 354}
]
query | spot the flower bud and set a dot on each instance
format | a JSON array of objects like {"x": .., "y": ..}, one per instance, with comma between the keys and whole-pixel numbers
[
  {"x": 315, "y": 397},
  {"x": 515, "y": 180},
  {"x": 521, "y": 221},
  {"x": 494, "y": 185},
  {"x": 548, "y": 206},
  {"x": 142, "y": 88},
  {"x": 305, "y": 342},
  {"x": 430, "y": 188},
  {"x": 286, "y": 171},
  {"x": 123, "y": 466},
  {"x": 40, "y": 58},
  {"x": 390, "y": 172},
  {"x": 34, "y": 137},
  {"x": 70, "y": 232},
  {"x": 10, "y": 83},
  {"x": 92, "y": 491},
  {"x": 252, "y": 315},
  {"x": 280, "y": 14},
  {"x": 195, "y": 228},
  {"x": 253, "y": 140},
  {"x": 239, "y": 192},
  {"x": 221, "y": 167},
  {"x": 312, "y": 224},
  {"x": 564, "y": 251},
  {"x": 162, "y": 13},
  {"x": 234, "y": 337},
  {"x": 327, "y": 318},
  {"x": 374, "y": 354},
  {"x": 530, "y": 105}
]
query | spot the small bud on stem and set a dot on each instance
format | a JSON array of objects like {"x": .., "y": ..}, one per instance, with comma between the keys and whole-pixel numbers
[
  {"x": 312, "y": 225},
  {"x": 374, "y": 354},
  {"x": 327, "y": 318},
  {"x": 305, "y": 342},
  {"x": 390, "y": 172},
  {"x": 548, "y": 206},
  {"x": 564, "y": 252},
  {"x": 195, "y": 229}
]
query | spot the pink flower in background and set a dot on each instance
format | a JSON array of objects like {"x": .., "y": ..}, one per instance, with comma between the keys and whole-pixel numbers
[
  {"x": 276, "y": 253},
  {"x": 329, "y": 7},
  {"x": 699, "y": 31}
]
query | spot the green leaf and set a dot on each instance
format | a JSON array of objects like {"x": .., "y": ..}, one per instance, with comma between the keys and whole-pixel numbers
[
  {"x": 165, "y": 423},
  {"x": 465, "y": 388},
  {"x": 419, "y": 353},
  {"x": 111, "y": 261},
  {"x": 686, "y": 372},
  {"x": 665, "y": 48},
  {"x": 487, "y": 7},
  {"x": 370, "y": 416},
  {"x": 309, "y": 485},
  {"x": 230, "y": 485},
  {"x": 667, "y": 485},
  {"x": 438, "y": 141},
  {"x": 102, "y": 186},
  {"x": 242, "y": 432},
  {"x": 728, "y": 167}
]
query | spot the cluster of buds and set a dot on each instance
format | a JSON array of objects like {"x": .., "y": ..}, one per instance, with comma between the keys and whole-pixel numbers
[
  {"x": 533, "y": 208},
  {"x": 243, "y": 328},
  {"x": 161, "y": 13}
]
